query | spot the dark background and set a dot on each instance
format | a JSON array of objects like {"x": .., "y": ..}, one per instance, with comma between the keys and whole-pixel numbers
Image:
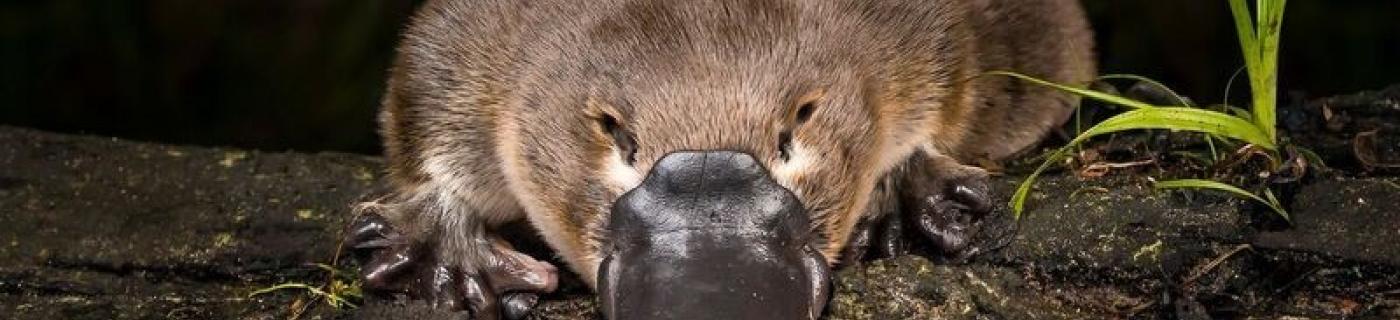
[{"x": 307, "y": 74}]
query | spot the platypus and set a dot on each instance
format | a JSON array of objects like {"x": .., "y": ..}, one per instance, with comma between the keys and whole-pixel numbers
[{"x": 697, "y": 159}]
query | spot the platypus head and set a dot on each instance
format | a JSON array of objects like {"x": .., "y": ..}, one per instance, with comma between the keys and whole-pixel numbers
[
  {"x": 695, "y": 162},
  {"x": 711, "y": 235}
]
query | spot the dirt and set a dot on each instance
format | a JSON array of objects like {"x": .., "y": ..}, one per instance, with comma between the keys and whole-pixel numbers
[
  {"x": 101, "y": 228},
  {"x": 1366, "y": 211},
  {"x": 98, "y": 228}
]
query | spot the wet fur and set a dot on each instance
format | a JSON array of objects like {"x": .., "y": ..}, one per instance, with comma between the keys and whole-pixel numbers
[{"x": 492, "y": 109}]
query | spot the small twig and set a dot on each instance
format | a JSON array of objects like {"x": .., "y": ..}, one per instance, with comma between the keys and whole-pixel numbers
[
  {"x": 1140, "y": 307},
  {"x": 1076, "y": 193},
  {"x": 1190, "y": 280},
  {"x": 197, "y": 300},
  {"x": 1099, "y": 169},
  {"x": 304, "y": 306},
  {"x": 1245, "y": 153},
  {"x": 1363, "y": 146},
  {"x": 1289, "y": 286}
]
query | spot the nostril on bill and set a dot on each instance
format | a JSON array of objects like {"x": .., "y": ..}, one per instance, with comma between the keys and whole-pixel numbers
[{"x": 704, "y": 171}]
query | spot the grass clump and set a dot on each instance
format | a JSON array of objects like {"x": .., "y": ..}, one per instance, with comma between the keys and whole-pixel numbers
[
  {"x": 340, "y": 292},
  {"x": 1259, "y": 41}
]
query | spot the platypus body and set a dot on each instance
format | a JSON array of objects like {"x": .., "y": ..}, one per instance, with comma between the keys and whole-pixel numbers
[{"x": 698, "y": 159}]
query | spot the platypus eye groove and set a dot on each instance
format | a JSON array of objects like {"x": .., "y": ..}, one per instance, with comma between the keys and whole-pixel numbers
[
  {"x": 785, "y": 145},
  {"x": 804, "y": 113},
  {"x": 626, "y": 144}
]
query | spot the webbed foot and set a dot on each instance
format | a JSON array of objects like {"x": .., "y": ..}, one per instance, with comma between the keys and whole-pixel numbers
[{"x": 494, "y": 282}]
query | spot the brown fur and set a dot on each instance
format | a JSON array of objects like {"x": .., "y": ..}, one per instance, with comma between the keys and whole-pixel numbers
[{"x": 492, "y": 109}]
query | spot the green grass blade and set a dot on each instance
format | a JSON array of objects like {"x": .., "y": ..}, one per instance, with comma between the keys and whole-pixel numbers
[
  {"x": 1259, "y": 38},
  {"x": 337, "y": 273},
  {"x": 1018, "y": 200},
  {"x": 1220, "y": 186},
  {"x": 1230, "y": 84},
  {"x": 1249, "y": 46},
  {"x": 1270, "y": 23},
  {"x": 1314, "y": 160},
  {"x": 1185, "y": 119},
  {"x": 1274, "y": 203},
  {"x": 1244, "y": 28},
  {"x": 333, "y": 299},
  {"x": 1079, "y": 91},
  {"x": 1180, "y": 100},
  {"x": 1210, "y": 143}
]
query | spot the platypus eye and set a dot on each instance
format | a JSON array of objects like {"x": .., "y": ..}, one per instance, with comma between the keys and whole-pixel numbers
[
  {"x": 626, "y": 144},
  {"x": 804, "y": 112}
]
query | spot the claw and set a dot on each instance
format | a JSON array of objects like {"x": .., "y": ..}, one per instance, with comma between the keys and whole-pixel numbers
[
  {"x": 974, "y": 195},
  {"x": 891, "y": 242},
  {"x": 519, "y": 272},
  {"x": 384, "y": 266},
  {"x": 883, "y": 233},
  {"x": 940, "y": 222},
  {"x": 516, "y": 306},
  {"x": 859, "y": 243},
  {"x": 481, "y": 300},
  {"x": 437, "y": 285},
  {"x": 378, "y": 249},
  {"x": 882, "y": 227},
  {"x": 368, "y": 231}
]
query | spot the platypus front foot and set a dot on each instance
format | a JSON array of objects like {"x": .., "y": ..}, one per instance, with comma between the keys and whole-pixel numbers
[
  {"x": 494, "y": 281},
  {"x": 946, "y": 203},
  {"x": 880, "y": 234}
]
